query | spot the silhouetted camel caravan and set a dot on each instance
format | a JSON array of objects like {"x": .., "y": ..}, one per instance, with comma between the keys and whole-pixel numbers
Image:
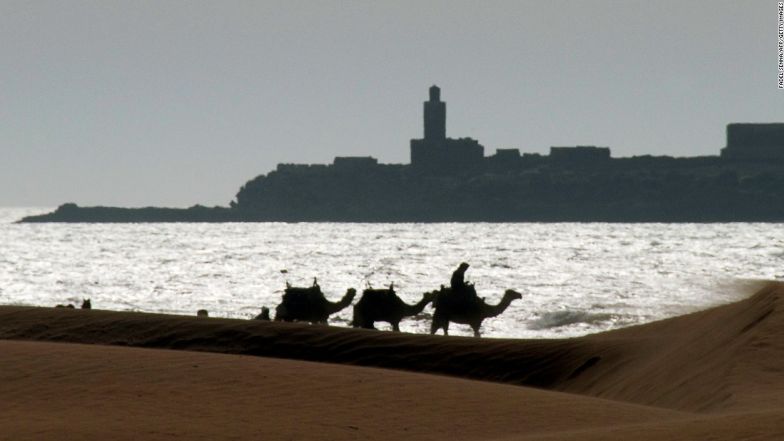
[
  {"x": 383, "y": 305},
  {"x": 309, "y": 304},
  {"x": 469, "y": 311},
  {"x": 457, "y": 303}
]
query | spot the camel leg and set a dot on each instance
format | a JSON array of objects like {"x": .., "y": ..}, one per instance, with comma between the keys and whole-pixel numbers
[
  {"x": 396, "y": 326},
  {"x": 476, "y": 329},
  {"x": 439, "y": 321},
  {"x": 435, "y": 324}
]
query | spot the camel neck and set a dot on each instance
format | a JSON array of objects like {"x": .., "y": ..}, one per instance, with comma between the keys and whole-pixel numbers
[
  {"x": 339, "y": 305},
  {"x": 417, "y": 307},
  {"x": 494, "y": 310}
]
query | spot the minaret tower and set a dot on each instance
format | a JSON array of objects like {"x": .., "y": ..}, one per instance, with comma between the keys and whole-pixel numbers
[{"x": 435, "y": 116}]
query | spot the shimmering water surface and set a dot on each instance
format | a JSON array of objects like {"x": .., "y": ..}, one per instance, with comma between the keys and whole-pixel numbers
[{"x": 576, "y": 278}]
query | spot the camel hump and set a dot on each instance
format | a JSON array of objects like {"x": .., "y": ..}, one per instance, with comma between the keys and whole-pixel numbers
[
  {"x": 468, "y": 290},
  {"x": 301, "y": 303},
  {"x": 457, "y": 299},
  {"x": 378, "y": 292},
  {"x": 296, "y": 294},
  {"x": 378, "y": 296}
]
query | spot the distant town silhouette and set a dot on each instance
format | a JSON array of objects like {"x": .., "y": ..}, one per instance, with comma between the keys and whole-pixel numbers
[{"x": 451, "y": 180}]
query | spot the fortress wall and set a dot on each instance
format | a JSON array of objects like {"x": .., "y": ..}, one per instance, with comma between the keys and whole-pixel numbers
[
  {"x": 579, "y": 153},
  {"x": 741, "y": 135},
  {"x": 754, "y": 141}
]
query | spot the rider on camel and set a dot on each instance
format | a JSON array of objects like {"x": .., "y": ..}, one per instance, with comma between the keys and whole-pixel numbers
[
  {"x": 458, "y": 278},
  {"x": 461, "y": 291}
]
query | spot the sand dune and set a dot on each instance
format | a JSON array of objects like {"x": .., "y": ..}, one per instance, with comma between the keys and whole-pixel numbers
[
  {"x": 101, "y": 391},
  {"x": 716, "y": 374}
]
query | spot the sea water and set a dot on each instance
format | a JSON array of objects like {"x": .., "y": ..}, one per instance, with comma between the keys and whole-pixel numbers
[{"x": 575, "y": 278}]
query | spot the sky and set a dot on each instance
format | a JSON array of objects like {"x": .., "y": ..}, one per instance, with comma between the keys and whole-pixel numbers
[{"x": 174, "y": 103}]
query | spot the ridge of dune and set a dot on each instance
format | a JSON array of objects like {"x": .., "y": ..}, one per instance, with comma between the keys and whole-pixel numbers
[
  {"x": 74, "y": 391},
  {"x": 728, "y": 358},
  {"x": 723, "y": 358}
]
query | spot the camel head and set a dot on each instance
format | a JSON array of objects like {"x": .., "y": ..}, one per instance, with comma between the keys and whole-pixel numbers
[
  {"x": 350, "y": 294},
  {"x": 429, "y": 296},
  {"x": 512, "y": 295}
]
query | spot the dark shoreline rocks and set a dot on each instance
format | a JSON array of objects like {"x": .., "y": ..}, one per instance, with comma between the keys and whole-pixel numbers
[{"x": 640, "y": 189}]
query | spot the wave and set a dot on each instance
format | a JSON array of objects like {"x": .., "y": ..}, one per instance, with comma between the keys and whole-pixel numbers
[{"x": 557, "y": 319}]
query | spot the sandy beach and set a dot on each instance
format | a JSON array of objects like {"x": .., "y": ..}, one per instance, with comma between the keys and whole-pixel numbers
[{"x": 78, "y": 374}]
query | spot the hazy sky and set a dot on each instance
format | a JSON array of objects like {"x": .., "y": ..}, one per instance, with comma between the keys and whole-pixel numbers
[{"x": 181, "y": 102}]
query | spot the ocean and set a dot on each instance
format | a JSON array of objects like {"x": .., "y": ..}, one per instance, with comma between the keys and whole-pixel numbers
[{"x": 575, "y": 278}]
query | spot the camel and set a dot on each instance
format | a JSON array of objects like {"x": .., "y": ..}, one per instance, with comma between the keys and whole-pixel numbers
[
  {"x": 467, "y": 310},
  {"x": 383, "y": 305},
  {"x": 309, "y": 304}
]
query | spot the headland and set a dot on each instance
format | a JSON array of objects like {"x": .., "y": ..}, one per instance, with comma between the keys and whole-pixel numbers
[{"x": 452, "y": 180}]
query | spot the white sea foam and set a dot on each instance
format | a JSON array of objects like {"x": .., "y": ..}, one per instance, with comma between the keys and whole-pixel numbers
[
  {"x": 576, "y": 278},
  {"x": 567, "y": 317}
]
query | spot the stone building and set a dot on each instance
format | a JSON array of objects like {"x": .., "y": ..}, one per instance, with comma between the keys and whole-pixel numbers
[
  {"x": 436, "y": 153},
  {"x": 749, "y": 141}
]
